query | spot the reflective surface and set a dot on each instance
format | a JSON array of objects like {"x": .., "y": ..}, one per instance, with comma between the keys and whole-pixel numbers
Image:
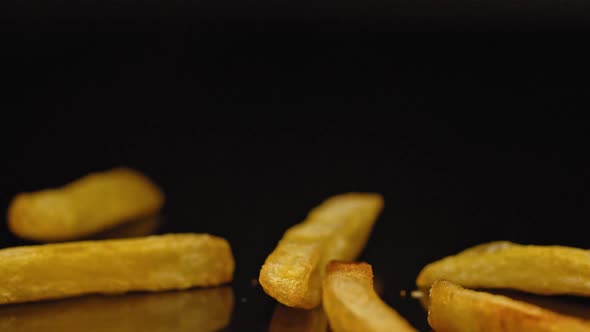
[
  {"x": 184, "y": 311},
  {"x": 347, "y": 107}
]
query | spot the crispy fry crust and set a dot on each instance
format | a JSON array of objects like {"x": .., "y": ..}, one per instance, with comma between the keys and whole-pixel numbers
[
  {"x": 91, "y": 204},
  {"x": 337, "y": 229},
  {"x": 154, "y": 263},
  {"x": 203, "y": 310},
  {"x": 351, "y": 303},
  {"x": 544, "y": 270},
  {"x": 455, "y": 309},
  {"x": 287, "y": 319}
]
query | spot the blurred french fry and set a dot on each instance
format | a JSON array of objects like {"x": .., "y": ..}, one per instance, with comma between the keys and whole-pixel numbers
[
  {"x": 336, "y": 229},
  {"x": 547, "y": 270},
  {"x": 287, "y": 319},
  {"x": 91, "y": 204},
  {"x": 351, "y": 303},
  {"x": 154, "y": 263},
  {"x": 143, "y": 227},
  {"x": 456, "y": 309},
  {"x": 203, "y": 310}
]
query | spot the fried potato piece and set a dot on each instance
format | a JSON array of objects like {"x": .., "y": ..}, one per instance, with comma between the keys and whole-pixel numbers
[
  {"x": 547, "y": 270},
  {"x": 351, "y": 303},
  {"x": 154, "y": 263},
  {"x": 203, "y": 310},
  {"x": 287, "y": 319},
  {"x": 337, "y": 229},
  {"x": 455, "y": 309},
  {"x": 91, "y": 204}
]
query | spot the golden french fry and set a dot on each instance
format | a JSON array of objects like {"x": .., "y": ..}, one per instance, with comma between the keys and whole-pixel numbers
[
  {"x": 203, "y": 310},
  {"x": 154, "y": 263},
  {"x": 89, "y": 205},
  {"x": 578, "y": 307},
  {"x": 455, "y": 309},
  {"x": 351, "y": 303},
  {"x": 337, "y": 229},
  {"x": 545, "y": 270},
  {"x": 287, "y": 319}
]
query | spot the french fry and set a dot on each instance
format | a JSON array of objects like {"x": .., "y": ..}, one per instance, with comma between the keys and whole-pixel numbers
[
  {"x": 287, "y": 319},
  {"x": 154, "y": 263},
  {"x": 547, "y": 270},
  {"x": 91, "y": 204},
  {"x": 203, "y": 310},
  {"x": 455, "y": 309},
  {"x": 351, "y": 303},
  {"x": 337, "y": 229}
]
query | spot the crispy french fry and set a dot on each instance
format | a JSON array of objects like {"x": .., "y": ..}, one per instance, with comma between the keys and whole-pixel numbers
[
  {"x": 547, "y": 270},
  {"x": 154, "y": 263},
  {"x": 91, "y": 204},
  {"x": 287, "y": 319},
  {"x": 455, "y": 309},
  {"x": 337, "y": 229},
  {"x": 578, "y": 307},
  {"x": 203, "y": 310},
  {"x": 351, "y": 303}
]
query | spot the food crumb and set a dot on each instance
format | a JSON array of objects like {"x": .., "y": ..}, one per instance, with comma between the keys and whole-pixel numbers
[
  {"x": 417, "y": 294},
  {"x": 243, "y": 300},
  {"x": 402, "y": 293},
  {"x": 253, "y": 282}
]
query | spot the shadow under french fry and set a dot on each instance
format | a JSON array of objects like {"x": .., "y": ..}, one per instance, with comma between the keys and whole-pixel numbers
[
  {"x": 136, "y": 228},
  {"x": 204, "y": 310},
  {"x": 286, "y": 319}
]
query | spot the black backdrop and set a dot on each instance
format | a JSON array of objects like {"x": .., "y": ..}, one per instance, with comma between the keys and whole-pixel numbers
[{"x": 250, "y": 114}]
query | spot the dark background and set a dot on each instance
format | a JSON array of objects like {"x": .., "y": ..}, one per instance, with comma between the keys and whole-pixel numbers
[{"x": 462, "y": 114}]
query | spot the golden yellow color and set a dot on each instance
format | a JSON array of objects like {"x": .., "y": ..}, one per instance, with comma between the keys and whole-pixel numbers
[
  {"x": 287, "y": 319},
  {"x": 337, "y": 229},
  {"x": 154, "y": 263},
  {"x": 203, "y": 310},
  {"x": 352, "y": 305},
  {"x": 455, "y": 309},
  {"x": 89, "y": 205},
  {"x": 544, "y": 270}
]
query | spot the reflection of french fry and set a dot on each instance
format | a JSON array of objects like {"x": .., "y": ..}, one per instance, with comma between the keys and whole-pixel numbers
[
  {"x": 336, "y": 229},
  {"x": 89, "y": 205},
  {"x": 202, "y": 310},
  {"x": 351, "y": 303},
  {"x": 287, "y": 319},
  {"x": 456, "y": 309},
  {"x": 139, "y": 228},
  {"x": 154, "y": 263},
  {"x": 547, "y": 270}
]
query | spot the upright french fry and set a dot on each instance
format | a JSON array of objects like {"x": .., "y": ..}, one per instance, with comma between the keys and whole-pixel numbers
[
  {"x": 287, "y": 319},
  {"x": 352, "y": 304},
  {"x": 337, "y": 229},
  {"x": 455, "y": 309},
  {"x": 91, "y": 204},
  {"x": 154, "y": 263},
  {"x": 203, "y": 310},
  {"x": 545, "y": 270}
]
